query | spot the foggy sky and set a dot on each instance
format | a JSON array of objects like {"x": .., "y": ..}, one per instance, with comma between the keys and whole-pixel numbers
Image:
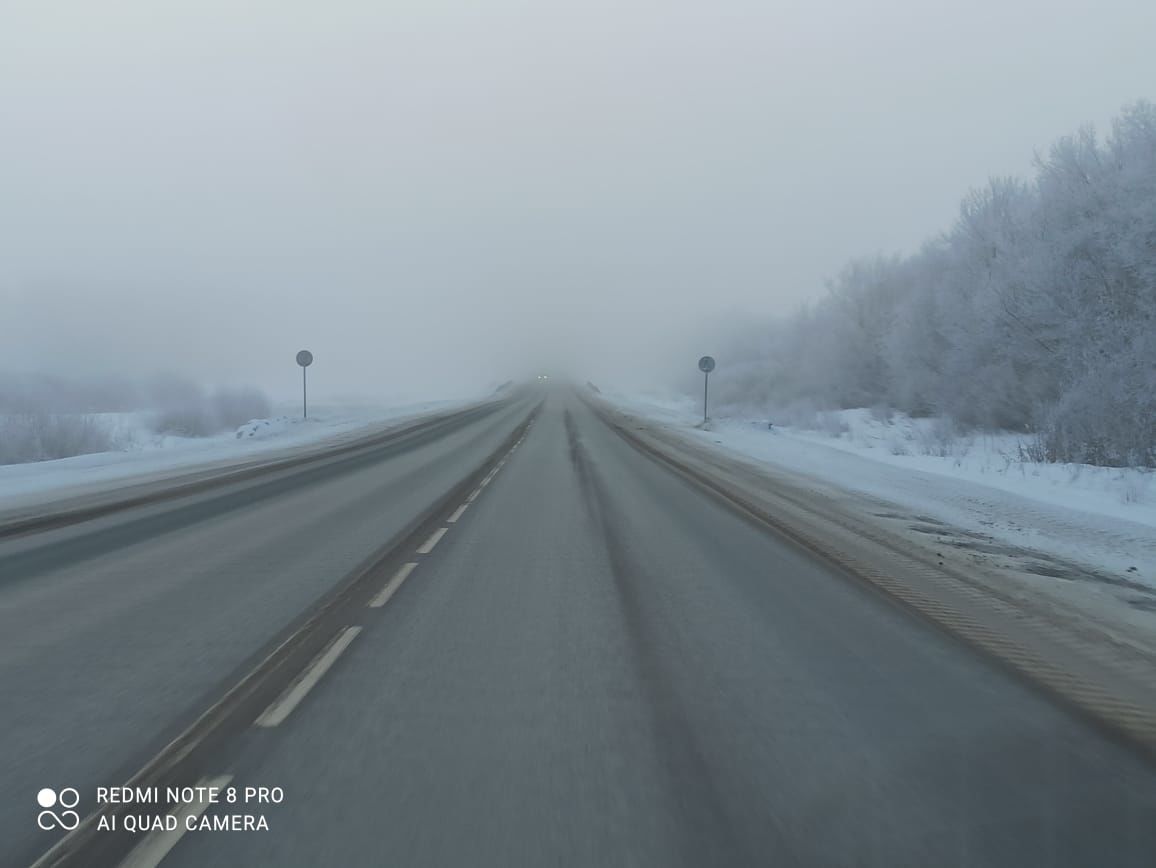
[{"x": 435, "y": 195}]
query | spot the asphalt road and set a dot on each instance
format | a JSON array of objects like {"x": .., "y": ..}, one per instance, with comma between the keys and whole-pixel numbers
[
  {"x": 115, "y": 633},
  {"x": 596, "y": 664}
]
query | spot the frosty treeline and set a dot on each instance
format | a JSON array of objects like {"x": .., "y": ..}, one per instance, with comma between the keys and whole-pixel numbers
[
  {"x": 44, "y": 416},
  {"x": 1035, "y": 312}
]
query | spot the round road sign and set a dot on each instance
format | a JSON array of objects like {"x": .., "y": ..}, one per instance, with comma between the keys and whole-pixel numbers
[
  {"x": 706, "y": 364},
  {"x": 305, "y": 358}
]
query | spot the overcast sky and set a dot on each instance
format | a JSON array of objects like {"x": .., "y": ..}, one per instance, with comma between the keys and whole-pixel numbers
[{"x": 435, "y": 194}]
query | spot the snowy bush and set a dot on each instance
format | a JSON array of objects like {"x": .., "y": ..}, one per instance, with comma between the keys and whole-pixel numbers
[
  {"x": 238, "y": 405},
  {"x": 46, "y": 416},
  {"x": 28, "y": 437},
  {"x": 939, "y": 439},
  {"x": 1108, "y": 417},
  {"x": 832, "y": 424},
  {"x": 200, "y": 415},
  {"x": 190, "y": 420}
]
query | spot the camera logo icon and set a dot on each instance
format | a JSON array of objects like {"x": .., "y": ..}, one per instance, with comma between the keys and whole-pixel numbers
[{"x": 67, "y": 819}]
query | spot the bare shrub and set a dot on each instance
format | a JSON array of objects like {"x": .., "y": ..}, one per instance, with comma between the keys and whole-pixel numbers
[
  {"x": 26, "y": 437},
  {"x": 1134, "y": 486},
  {"x": 1109, "y": 416},
  {"x": 237, "y": 406},
  {"x": 832, "y": 424},
  {"x": 190, "y": 420},
  {"x": 797, "y": 414},
  {"x": 1033, "y": 450},
  {"x": 939, "y": 438},
  {"x": 198, "y": 415}
]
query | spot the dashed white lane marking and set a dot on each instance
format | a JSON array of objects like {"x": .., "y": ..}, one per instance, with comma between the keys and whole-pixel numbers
[
  {"x": 156, "y": 845},
  {"x": 457, "y": 513},
  {"x": 434, "y": 538},
  {"x": 474, "y": 495},
  {"x": 284, "y": 704},
  {"x": 392, "y": 585}
]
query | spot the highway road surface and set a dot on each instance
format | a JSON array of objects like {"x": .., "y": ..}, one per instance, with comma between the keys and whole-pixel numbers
[{"x": 575, "y": 658}]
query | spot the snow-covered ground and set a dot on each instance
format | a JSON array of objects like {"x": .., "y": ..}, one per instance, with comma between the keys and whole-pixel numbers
[
  {"x": 1104, "y": 518},
  {"x": 148, "y": 456}
]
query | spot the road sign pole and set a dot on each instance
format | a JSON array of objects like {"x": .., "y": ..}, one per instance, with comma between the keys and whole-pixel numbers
[
  {"x": 304, "y": 359},
  {"x": 706, "y": 365}
]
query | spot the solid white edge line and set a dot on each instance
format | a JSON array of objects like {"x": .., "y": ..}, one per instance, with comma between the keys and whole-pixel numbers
[
  {"x": 457, "y": 513},
  {"x": 392, "y": 585},
  {"x": 156, "y": 845},
  {"x": 284, "y": 704},
  {"x": 435, "y": 537}
]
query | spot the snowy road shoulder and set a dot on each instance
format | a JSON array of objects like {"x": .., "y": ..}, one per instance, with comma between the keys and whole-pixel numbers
[
  {"x": 1080, "y": 536},
  {"x": 25, "y": 487}
]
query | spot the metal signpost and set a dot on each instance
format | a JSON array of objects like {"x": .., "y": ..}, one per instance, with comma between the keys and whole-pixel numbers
[
  {"x": 706, "y": 365},
  {"x": 304, "y": 359}
]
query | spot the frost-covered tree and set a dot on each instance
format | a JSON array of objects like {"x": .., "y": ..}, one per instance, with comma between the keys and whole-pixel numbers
[{"x": 1036, "y": 311}]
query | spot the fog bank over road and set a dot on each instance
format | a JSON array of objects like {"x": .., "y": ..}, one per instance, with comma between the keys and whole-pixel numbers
[{"x": 435, "y": 196}]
